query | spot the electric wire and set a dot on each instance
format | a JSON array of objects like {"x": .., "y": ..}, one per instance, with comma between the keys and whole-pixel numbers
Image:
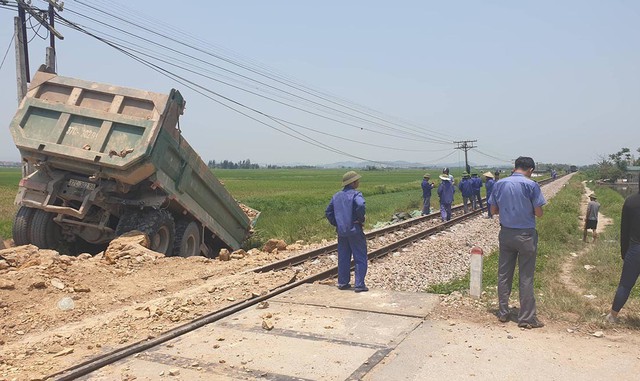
[
  {"x": 7, "y": 51},
  {"x": 216, "y": 56},
  {"x": 202, "y": 91},
  {"x": 127, "y": 46}
]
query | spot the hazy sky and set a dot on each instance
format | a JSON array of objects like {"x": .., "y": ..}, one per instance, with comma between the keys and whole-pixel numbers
[{"x": 555, "y": 80}]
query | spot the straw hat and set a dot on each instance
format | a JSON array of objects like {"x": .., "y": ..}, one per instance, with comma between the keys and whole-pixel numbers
[
  {"x": 427, "y": 176},
  {"x": 593, "y": 196},
  {"x": 488, "y": 174},
  {"x": 349, "y": 178},
  {"x": 465, "y": 174},
  {"x": 445, "y": 177}
]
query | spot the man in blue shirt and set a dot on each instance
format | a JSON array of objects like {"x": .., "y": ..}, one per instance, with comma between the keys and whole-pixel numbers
[
  {"x": 445, "y": 192},
  {"x": 466, "y": 188},
  {"x": 346, "y": 212},
  {"x": 489, "y": 181},
  {"x": 426, "y": 194},
  {"x": 476, "y": 200},
  {"x": 518, "y": 200}
]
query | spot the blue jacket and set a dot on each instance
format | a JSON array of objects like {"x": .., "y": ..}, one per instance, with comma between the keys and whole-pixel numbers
[
  {"x": 477, "y": 184},
  {"x": 446, "y": 191},
  {"x": 346, "y": 212},
  {"x": 466, "y": 187},
  {"x": 489, "y": 186},
  {"x": 426, "y": 188}
]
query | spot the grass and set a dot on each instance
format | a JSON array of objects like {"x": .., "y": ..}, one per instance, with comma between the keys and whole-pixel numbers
[
  {"x": 9, "y": 178},
  {"x": 292, "y": 201},
  {"x": 560, "y": 233}
]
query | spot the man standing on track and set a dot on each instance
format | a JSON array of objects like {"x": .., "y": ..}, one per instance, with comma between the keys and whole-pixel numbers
[
  {"x": 426, "y": 194},
  {"x": 466, "y": 188},
  {"x": 477, "y": 185},
  {"x": 630, "y": 251},
  {"x": 346, "y": 212},
  {"x": 518, "y": 200},
  {"x": 591, "y": 218},
  {"x": 489, "y": 181},
  {"x": 446, "y": 189}
]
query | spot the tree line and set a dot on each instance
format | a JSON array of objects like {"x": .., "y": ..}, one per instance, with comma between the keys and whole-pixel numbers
[{"x": 614, "y": 166}]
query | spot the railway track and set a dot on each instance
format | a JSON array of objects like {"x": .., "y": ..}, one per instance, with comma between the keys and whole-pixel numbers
[{"x": 406, "y": 239}]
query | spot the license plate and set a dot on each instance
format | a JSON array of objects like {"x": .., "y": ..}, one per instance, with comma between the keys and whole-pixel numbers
[{"x": 82, "y": 184}]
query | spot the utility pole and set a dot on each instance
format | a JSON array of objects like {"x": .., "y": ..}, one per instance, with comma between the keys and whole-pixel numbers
[
  {"x": 23, "y": 75},
  {"x": 466, "y": 145}
]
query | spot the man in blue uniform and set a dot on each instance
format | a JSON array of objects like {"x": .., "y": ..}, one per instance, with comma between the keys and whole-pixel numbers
[
  {"x": 477, "y": 198},
  {"x": 346, "y": 212},
  {"x": 489, "y": 181},
  {"x": 445, "y": 192},
  {"x": 518, "y": 200},
  {"x": 466, "y": 188},
  {"x": 426, "y": 194}
]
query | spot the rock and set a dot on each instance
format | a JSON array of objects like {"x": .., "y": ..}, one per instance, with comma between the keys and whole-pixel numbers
[
  {"x": 131, "y": 244},
  {"x": 81, "y": 288},
  {"x": 66, "y": 304},
  {"x": 6, "y": 284},
  {"x": 57, "y": 283},
  {"x": 224, "y": 255},
  {"x": 38, "y": 284},
  {"x": 240, "y": 252},
  {"x": 598, "y": 334},
  {"x": 55, "y": 348},
  {"x": 84, "y": 256},
  {"x": 267, "y": 325},
  {"x": 589, "y": 267},
  {"x": 174, "y": 372},
  {"x": 262, "y": 305},
  {"x": 3, "y": 265},
  {"x": 63, "y": 352},
  {"x": 273, "y": 244}
]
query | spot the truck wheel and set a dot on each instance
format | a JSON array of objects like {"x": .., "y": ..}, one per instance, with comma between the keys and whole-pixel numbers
[
  {"x": 21, "y": 224},
  {"x": 128, "y": 222},
  {"x": 161, "y": 229},
  {"x": 187, "y": 239},
  {"x": 45, "y": 233}
]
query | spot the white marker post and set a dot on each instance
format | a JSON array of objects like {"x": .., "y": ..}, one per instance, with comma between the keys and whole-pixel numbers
[{"x": 475, "y": 287}]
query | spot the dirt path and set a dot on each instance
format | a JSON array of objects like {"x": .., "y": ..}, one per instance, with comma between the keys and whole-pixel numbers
[{"x": 569, "y": 264}]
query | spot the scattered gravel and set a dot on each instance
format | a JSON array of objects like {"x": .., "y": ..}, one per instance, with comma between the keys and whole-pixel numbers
[{"x": 441, "y": 257}]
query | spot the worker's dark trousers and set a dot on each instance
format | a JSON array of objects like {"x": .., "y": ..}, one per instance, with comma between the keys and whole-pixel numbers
[
  {"x": 629, "y": 276},
  {"x": 355, "y": 245}
]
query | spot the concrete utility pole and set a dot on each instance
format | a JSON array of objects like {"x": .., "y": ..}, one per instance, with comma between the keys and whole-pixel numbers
[
  {"x": 466, "y": 145},
  {"x": 23, "y": 75}
]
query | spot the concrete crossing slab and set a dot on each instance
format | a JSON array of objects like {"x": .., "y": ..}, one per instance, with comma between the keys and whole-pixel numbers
[{"x": 318, "y": 333}]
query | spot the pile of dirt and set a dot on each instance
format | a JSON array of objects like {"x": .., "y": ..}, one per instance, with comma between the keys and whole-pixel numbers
[{"x": 56, "y": 309}]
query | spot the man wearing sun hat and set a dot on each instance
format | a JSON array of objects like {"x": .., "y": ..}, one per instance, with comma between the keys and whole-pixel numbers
[
  {"x": 489, "y": 181},
  {"x": 426, "y": 194},
  {"x": 446, "y": 189},
  {"x": 591, "y": 217},
  {"x": 346, "y": 212}
]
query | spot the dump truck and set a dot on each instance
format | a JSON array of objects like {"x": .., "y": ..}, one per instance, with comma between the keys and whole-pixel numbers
[{"x": 101, "y": 160}]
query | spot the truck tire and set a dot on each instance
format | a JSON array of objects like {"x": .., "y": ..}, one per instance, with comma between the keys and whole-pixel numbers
[
  {"x": 161, "y": 229},
  {"x": 128, "y": 222},
  {"x": 187, "y": 242},
  {"x": 21, "y": 222},
  {"x": 45, "y": 233}
]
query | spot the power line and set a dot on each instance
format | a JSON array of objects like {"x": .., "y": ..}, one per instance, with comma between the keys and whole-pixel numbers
[
  {"x": 202, "y": 90},
  {"x": 235, "y": 63},
  {"x": 7, "y": 52}
]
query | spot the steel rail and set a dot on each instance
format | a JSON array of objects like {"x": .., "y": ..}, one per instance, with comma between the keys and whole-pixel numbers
[{"x": 103, "y": 360}]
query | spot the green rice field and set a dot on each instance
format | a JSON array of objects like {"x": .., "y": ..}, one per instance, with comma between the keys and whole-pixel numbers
[{"x": 291, "y": 201}]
